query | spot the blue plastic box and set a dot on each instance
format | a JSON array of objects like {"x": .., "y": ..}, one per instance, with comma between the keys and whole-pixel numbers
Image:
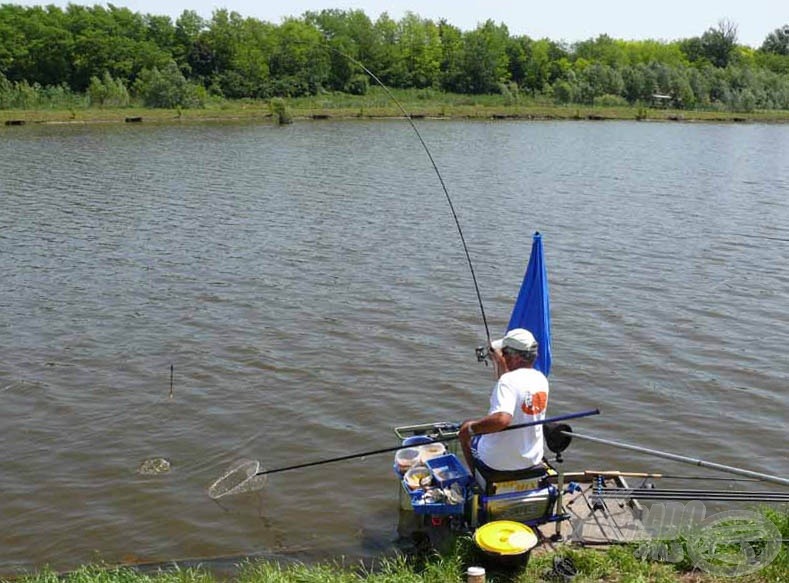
[
  {"x": 447, "y": 470},
  {"x": 433, "y": 508}
]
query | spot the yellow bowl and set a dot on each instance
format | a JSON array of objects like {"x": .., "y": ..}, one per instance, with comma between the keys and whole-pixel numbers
[{"x": 413, "y": 477}]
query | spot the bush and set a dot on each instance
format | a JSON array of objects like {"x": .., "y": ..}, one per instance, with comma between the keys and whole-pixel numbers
[
  {"x": 609, "y": 100},
  {"x": 168, "y": 88},
  {"x": 107, "y": 91},
  {"x": 510, "y": 92},
  {"x": 357, "y": 85},
  {"x": 279, "y": 110},
  {"x": 563, "y": 92}
]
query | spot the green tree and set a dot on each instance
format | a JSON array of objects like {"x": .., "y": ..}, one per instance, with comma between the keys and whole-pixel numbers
[
  {"x": 603, "y": 50},
  {"x": 777, "y": 42},
  {"x": 639, "y": 83},
  {"x": 299, "y": 64},
  {"x": 390, "y": 67},
  {"x": 250, "y": 62},
  {"x": 651, "y": 51},
  {"x": 34, "y": 45},
  {"x": 597, "y": 80},
  {"x": 542, "y": 65},
  {"x": 420, "y": 51},
  {"x": 188, "y": 27},
  {"x": 718, "y": 44},
  {"x": 114, "y": 40},
  {"x": 517, "y": 51},
  {"x": 349, "y": 34},
  {"x": 161, "y": 32},
  {"x": 693, "y": 50},
  {"x": 451, "y": 39},
  {"x": 485, "y": 60}
]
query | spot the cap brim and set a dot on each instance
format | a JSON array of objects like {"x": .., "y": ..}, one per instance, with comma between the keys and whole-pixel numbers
[{"x": 497, "y": 344}]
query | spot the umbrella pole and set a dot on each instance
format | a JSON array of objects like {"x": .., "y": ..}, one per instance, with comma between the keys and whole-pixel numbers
[{"x": 683, "y": 459}]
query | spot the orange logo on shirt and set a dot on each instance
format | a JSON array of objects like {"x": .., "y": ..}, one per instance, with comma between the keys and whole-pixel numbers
[{"x": 535, "y": 404}]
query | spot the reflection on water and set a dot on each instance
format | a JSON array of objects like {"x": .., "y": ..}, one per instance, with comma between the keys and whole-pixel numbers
[{"x": 308, "y": 287}]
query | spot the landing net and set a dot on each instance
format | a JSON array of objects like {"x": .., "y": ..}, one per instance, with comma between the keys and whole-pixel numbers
[{"x": 239, "y": 478}]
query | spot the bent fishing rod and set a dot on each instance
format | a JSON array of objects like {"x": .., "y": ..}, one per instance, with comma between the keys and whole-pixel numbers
[
  {"x": 438, "y": 174},
  {"x": 436, "y": 440}
]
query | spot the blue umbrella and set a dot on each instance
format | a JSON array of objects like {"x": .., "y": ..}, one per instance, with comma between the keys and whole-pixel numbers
[{"x": 532, "y": 309}]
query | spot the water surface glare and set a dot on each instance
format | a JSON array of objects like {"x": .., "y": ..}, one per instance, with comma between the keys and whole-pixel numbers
[{"x": 308, "y": 286}]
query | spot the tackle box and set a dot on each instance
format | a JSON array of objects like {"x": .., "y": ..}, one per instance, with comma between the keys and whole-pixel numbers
[{"x": 445, "y": 470}]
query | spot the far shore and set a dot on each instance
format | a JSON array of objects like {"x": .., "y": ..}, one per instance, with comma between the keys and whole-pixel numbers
[{"x": 313, "y": 109}]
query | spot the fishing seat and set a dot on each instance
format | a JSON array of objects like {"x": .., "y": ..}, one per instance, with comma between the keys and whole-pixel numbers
[{"x": 521, "y": 495}]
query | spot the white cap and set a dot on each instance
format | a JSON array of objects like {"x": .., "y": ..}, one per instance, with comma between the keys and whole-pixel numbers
[{"x": 517, "y": 339}]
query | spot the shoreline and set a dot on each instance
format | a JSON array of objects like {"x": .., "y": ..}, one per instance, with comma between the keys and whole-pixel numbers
[{"x": 259, "y": 112}]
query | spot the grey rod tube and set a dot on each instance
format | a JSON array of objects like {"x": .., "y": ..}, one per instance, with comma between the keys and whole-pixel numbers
[{"x": 682, "y": 458}]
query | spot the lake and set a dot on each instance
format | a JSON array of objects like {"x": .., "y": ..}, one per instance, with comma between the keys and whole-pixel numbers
[{"x": 309, "y": 289}]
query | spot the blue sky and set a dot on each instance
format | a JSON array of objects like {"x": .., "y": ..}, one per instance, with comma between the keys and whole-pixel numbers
[{"x": 568, "y": 20}]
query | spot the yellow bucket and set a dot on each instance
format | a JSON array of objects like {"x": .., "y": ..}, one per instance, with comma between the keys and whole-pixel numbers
[{"x": 506, "y": 542}]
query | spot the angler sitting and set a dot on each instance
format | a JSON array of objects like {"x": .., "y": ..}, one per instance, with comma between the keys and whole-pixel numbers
[{"x": 520, "y": 396}]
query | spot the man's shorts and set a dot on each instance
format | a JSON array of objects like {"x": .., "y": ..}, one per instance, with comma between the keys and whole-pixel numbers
[{"x": 493, "y": 475}]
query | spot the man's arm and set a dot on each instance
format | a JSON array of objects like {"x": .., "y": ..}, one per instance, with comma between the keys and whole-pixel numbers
[{"x": 487, "y": 424}]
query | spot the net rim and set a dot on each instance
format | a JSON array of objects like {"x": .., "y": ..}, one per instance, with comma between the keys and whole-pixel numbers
[{"x": 252, "y": 467}]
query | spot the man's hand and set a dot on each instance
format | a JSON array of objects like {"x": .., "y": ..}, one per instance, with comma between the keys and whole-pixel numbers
[
  {"x": 465, "y": 433},
  {"x": 499, "y": 364}
]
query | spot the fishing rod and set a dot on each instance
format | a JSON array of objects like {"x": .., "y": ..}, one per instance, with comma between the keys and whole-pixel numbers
[
  {"x": 690, "y": 495},
  {"x": 246, "y": 476},
  {"x": 670, "y": 491},
  {"x": 656, "y": 475},
  {"x": 682, "y": 458},
  {"x": 440, "y": 439},
  {"x": 438, "y": 173}
]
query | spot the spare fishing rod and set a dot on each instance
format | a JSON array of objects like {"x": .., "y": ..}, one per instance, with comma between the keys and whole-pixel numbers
[
  {"x": 690, "y": 495},
  {"x": 683, "y": 459},
  {"x": 440, "y": 179},
  {"x": 658, "y": 475}
]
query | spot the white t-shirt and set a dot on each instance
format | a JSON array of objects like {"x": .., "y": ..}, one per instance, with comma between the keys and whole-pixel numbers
[{"x": 523, "y": 393}]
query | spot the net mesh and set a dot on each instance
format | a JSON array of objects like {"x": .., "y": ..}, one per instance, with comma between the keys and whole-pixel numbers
[{"x": 239, "y": 478}]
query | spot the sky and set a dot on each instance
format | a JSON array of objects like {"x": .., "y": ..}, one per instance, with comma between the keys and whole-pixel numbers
[{"x": 565, "y": 20}]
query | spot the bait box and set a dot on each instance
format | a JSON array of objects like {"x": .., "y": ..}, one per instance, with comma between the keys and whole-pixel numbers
[
  {"x": 448, "y": 470},
  {"x": 419, "y": 506}
]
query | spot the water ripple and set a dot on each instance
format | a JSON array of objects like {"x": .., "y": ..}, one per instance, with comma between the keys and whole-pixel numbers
[{"x": 308, "y": 287}]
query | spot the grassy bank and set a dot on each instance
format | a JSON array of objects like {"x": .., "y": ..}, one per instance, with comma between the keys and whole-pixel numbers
[
  {"x": 616, "y": 564},
  {"x": 377, "y": 104}
]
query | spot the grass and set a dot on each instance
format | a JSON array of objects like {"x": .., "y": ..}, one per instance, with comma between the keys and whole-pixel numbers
[
  {"x": 377, "y": 103},
  {"x": 615, "y": 564}
]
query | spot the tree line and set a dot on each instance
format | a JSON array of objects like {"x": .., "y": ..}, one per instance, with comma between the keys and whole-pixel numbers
[{"x": 113, "y": 55}]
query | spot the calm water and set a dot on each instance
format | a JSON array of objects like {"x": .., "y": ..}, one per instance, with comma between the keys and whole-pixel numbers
[{"x": 308, "y": 286}]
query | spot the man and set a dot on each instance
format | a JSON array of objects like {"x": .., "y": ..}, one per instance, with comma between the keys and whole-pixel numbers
[{"x": 520, "y": 396}]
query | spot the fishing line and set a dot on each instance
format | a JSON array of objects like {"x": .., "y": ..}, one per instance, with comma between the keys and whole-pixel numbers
[{"x": 438, "y": 173}]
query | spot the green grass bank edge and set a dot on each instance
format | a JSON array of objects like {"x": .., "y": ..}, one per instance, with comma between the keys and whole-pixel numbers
[
  {"x": 376, "y": 105},
  {"x": 614, "y": 564}
]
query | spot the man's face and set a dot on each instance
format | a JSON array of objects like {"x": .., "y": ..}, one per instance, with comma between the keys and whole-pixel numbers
[{"x": 510, "y": 358}]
